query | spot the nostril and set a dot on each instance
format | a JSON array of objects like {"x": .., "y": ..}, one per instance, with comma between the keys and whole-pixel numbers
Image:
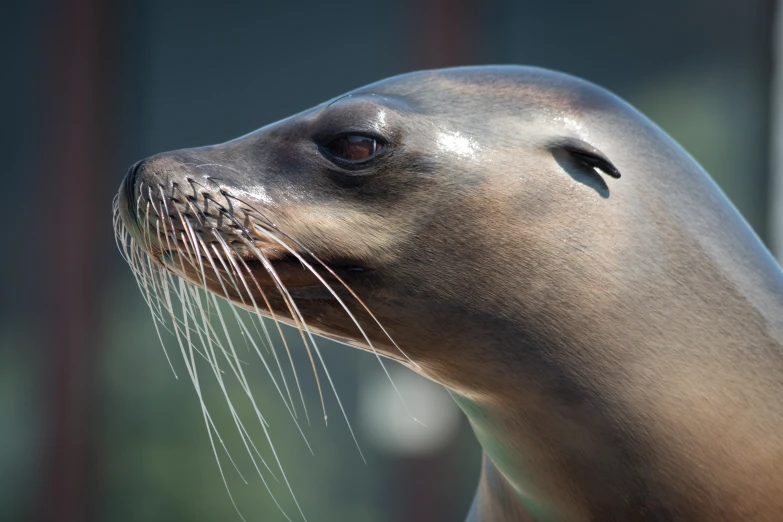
[
  {"x": 129, "y": 186},
  {"x": 133, "y": 173}
]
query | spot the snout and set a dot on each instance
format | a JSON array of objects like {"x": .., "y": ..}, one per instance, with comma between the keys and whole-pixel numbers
[
  {"x": 153, "y": 186},
  {"x": 151, "y": 176},
  {"x": 175, "y": 204}
]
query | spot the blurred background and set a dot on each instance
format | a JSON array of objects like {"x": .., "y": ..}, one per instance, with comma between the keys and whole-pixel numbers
[{"x": 93, "y": 424}]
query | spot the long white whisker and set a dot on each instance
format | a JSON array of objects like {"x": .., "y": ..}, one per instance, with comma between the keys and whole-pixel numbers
[
  {"x": 179, "y": 259},
  {"x": 186, "y": 303},
  {"x": 243, "y": 433},
  {"x": 347, "y": 311},
  {"x": 176, "y": 323},
  {"x": 255, "y": 346},
  {"x": 255, "y": 307},
  {"x": 190, "y": 365},
  {"x": 365, "y": 307},
  {"x": 274, "y": 275},
  {"x": 294, "y": 311},
  {"x": 280, "y": 333},
  {"x": 131, "y": 253},
  {"x": 270, "y": 224},
  {"x": 229, "y": 255},
  {"x": 207, "y": 418},
  {"x": 231, "y": 347}
]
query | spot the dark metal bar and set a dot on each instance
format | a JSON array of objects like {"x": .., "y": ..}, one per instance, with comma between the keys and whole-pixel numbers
[
  {"x": 74, "y": 91},
  {"x": 443, "y": 33}
]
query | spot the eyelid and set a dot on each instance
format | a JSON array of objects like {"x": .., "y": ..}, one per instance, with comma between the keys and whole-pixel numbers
[{"x": 328, "y": 136}]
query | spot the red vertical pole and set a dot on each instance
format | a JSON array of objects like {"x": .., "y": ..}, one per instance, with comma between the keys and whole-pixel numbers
[
  {"x": 74, "y": 216},
  {"x": 444, "y": 33}
]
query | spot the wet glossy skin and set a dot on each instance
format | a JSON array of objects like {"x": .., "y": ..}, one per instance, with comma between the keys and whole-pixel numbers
[{"x": 615, "y": 343}]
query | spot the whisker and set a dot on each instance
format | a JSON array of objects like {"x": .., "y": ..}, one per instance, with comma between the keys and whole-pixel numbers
[
  {"x": 207, "y": 418},
  {"x": 347, "y": 311},
  {"x": 192, "y": 373},
  {"x": 191, "y": 255},
  {"x": 280, "y": 333},
  {"x": 269, "y": 223},
  {"x": 195, "y": 245},
  {"x": 295, "y": 315},
  {"x": 231, "y": 347},
  {"x": 255, "y": 346},
  {"x": 282, "y": 288},
  {"x": 230, "y": 256},
  {"x": 290, "y": 408},
  {"x": 365, "y": 307},
  {"x": 350, "y": 290},
  {"x": 131, "y": 255},
  {"x": 244, "y": 435}
]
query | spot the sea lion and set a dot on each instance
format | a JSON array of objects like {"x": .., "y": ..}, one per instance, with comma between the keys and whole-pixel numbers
[{"x": 607, "y": 321}]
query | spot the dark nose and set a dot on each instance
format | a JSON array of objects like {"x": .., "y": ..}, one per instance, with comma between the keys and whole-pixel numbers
[{"x": 129, "y": 186}]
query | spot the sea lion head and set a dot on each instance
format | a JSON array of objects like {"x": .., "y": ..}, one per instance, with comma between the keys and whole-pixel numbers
[{"x": 412, "y": 209}]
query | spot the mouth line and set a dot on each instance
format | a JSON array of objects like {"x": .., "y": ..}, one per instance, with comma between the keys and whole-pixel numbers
[
  {"x": 291, "y": 272},
  {"x": 289, "y": 263}
]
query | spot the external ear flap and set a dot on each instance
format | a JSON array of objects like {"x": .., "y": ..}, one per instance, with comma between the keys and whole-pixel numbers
[{"x": 586, "y": 154}]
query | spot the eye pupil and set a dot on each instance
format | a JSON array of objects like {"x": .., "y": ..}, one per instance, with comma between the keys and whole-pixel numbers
[{"x": 354, "y": 147}]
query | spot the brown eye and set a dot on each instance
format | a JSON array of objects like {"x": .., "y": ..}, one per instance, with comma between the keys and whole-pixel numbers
[{"x": 354, "y": 147}]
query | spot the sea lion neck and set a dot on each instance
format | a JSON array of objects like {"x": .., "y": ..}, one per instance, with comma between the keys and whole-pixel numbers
[
  {"x": 565, "y": 436},
  {"x": 556, "y": 461},
  {"x": 497, "y": 498}
]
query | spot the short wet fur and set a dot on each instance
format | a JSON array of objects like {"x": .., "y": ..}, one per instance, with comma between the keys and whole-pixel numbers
[{"x": 615, "y": 343}]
